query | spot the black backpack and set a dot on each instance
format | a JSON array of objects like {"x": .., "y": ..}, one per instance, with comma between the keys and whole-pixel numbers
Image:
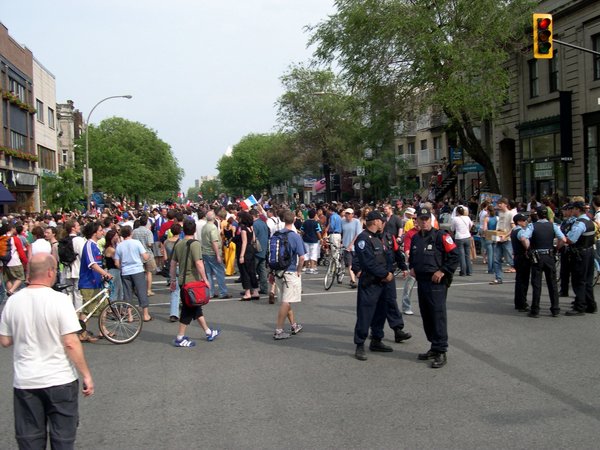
[
  {"x": 280, "y": 256},
  {"x": 66, "y": 252}
]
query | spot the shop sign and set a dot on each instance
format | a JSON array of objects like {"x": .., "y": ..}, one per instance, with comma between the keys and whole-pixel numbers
[{"x": 543, "y": 170}]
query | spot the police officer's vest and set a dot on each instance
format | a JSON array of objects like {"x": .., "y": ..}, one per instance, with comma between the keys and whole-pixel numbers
[
  {"x": 542, "y": 237},
  {"x": 426, "y": 257},
  {"x": 586, "y": 240},
  {"x": 566, "y": 226},
  {"x": 517, "y": 245}
]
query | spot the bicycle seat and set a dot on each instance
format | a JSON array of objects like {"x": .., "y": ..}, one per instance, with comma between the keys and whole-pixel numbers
[{"x": 61, "y": 287}]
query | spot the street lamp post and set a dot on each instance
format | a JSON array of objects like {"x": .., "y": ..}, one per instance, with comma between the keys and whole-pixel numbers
[{"x": 87, "y": 184}]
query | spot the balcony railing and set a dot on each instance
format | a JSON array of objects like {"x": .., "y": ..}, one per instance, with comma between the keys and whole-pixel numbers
[
  {"x": 424, "y": 157},
  {"x": 411, "y": 159}
]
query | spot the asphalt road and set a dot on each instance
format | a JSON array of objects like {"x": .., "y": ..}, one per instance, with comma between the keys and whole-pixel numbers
[{"x": 510, "y": 381}]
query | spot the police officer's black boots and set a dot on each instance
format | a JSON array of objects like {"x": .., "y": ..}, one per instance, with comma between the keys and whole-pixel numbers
[
  {"x": 439, "y": 361},
  {"x": 360, "y": 353},
  {"x": 378, "y": 346},
  {"x": 401, "y": 335}
]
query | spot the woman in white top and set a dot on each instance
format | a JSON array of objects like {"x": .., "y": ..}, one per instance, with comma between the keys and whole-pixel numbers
[{"x": 461, "y": 225}]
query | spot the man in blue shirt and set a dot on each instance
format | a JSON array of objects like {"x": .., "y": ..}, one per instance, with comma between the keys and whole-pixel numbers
[
  {"x": 91, "y": 270},
  {"x": 581, "y": 254},
  {"x": 334, "y": 230},
  {"x": 290, "y": 283}
]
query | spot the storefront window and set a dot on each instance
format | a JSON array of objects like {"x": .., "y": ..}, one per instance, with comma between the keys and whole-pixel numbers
[
  {"x": 543, "y": 146},
  {"x": 592, "y": 163}
]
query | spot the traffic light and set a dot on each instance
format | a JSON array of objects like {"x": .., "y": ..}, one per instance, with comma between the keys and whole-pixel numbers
[{"x": 542, "y": 36}]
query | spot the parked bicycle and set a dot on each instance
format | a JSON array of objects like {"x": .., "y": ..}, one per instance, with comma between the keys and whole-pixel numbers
[
  {"x": 335, "y": 267},
  {"x": 119, "y": 322}
]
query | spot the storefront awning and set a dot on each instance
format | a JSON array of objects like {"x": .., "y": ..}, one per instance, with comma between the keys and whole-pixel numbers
[{"x": 5, "y": 195}]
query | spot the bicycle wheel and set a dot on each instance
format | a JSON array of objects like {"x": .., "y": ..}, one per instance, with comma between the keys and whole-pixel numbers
[
  {"x": 329, "y": 275},
  {"x": 341, "y": 272},
  {"x": 120, "y": 322}
]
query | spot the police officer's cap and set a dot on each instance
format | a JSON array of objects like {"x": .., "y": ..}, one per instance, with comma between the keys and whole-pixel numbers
[
  {"x": 374, "y": 215},
  {"x": 579, "y": 205},
  {"x": 423, "y": 213},
  {"x": 519, "y": 218}
]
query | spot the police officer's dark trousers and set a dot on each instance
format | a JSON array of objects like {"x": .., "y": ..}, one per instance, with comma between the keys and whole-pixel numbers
[
  {"x": 565, "y": 272},
  {"x": 523, "y": 268},
  {"x": 394, "y": 316},
  {"x": 583, "y": 279},
  {"x": 371, "y": 311},
  {"x": 546, "y": 265},
  {"x": 432, "y": 303}
]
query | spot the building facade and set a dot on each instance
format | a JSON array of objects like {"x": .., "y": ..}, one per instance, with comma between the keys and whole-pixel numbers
[
  {"x": 546, "y": 137},
  {"x": 70, "y": 127},
  {"x": 44, "y": 92},
  {"x": 18, "y": 155}
]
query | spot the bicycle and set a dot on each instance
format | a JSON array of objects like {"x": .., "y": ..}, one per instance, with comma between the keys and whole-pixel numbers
[
  {"x": 335, "y": 267},
  {"x": 119, "y": 322}
]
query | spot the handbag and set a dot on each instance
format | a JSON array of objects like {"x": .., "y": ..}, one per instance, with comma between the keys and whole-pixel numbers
[
  {"x": 256, "y": 244},
  {"x": 166, "y": 269},
  {"x": 195, "y": 293}
]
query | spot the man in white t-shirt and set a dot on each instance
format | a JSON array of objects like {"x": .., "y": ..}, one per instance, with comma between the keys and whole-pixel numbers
[{"x": 42, "y": 325}]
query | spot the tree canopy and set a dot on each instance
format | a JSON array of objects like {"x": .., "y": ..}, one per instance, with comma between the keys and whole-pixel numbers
[
  {"x": 447, "y": 53},
  {"x": 63, "y": 191},
  {"x": 129, "y": 159},
  {"x": 257, "y": 162}
]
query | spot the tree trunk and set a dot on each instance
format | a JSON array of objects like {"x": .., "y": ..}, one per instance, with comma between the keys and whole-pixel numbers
[{"x": 470, "y": 143}]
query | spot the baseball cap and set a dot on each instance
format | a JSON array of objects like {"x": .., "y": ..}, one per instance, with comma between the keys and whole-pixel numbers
[
  {"x": 423, "y": 212},
  {"x": 519, "y": 218},
  {"x": 374, "y": 215},
  {"x": 348, "y": 211}
]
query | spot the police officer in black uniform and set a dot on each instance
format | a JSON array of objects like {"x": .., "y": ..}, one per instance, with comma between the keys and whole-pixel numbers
[
  {"x": 433, "y": 260},
  {"x": 565, "y": 267},
  {"x": 522, "y": 263},
  {"x": 376, "y": 288},
  {"x": 539, "y": 239},
  {"x": 581, "y": 255}
]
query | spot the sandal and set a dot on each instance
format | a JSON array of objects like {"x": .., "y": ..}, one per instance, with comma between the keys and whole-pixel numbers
[
  {"x": 245, "y": 299},
  {"x": 150, "y": 319}
]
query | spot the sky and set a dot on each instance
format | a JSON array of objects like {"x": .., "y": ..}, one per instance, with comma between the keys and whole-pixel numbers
[{"x": 202, "y": 73}]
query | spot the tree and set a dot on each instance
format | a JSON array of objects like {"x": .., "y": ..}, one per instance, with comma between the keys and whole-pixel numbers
[
  {"x": 63, "y": 191},
  {"x": 256, "y": 163},
  {"x": 128, "y": 159},
  {"x": 447, "y": 53},
  {"x": 324, "y": 121},
  {"x": 209, "y": 189}
]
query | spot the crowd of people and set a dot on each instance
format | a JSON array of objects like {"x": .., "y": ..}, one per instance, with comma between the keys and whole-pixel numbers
[{"x": 423, "y": 241}]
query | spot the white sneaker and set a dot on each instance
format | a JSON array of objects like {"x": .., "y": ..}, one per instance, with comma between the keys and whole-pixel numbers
[
  {"x": 296, "y": 328},
  {"x": 408, "y": 312}
]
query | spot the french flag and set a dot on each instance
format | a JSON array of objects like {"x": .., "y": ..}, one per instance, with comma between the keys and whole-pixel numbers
[
  {"x": 180, "y": 194},
  {"x": 248, "y": 203}
]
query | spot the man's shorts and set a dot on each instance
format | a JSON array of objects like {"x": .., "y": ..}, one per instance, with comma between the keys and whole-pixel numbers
[
  {"x": 348, "y": 258},
  {"x": 312, "y": 251},
  {"x": 290, "y": 287},
  {"x": 156, "y": 250},
  {"x": 86, "y": 296},
  {"x": 13, "y": 273},
  {"x": 150, "y": 265}
]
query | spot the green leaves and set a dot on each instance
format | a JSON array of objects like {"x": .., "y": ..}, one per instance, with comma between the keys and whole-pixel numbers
[{"x": 129, "y": 159}]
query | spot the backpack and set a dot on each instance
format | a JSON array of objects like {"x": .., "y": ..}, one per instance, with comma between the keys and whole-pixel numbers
[
  {"x": 280, "y": 256},
  {"x": 66, "y": 252},
  {"x": 5, "y": 249}
]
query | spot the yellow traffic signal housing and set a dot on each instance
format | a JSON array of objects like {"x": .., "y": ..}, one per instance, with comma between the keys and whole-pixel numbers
[{"x": 542, "y": 36}]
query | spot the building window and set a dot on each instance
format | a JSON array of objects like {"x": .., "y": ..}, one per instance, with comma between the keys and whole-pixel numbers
[
  {"x": 533, "y": 79},
  {"x": 437, "y": 148},
  {"x": 47, "y": 158},
  {"x": 400, "y": 149},
  {"x": 596, "y": 47},
  {"x": 553, "y": 73},
  {"x": 423, "y": 144},
  {"x": 541, "y": 147},
  {"x": 18, "y": 89},
  {"x": 65, "y": 157},
  {"x": 51, "y": 118},
  {"x": 39, "y": 106},
  {"x": 411, "y": 148},
  {"x": 17, "y": 141}
]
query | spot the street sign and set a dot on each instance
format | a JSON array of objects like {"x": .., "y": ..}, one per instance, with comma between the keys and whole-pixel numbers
[{"x": 360, "y": 171}]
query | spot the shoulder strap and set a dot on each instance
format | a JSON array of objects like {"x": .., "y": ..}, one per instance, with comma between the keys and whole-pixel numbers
[{"x": 188, "y": 244}]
